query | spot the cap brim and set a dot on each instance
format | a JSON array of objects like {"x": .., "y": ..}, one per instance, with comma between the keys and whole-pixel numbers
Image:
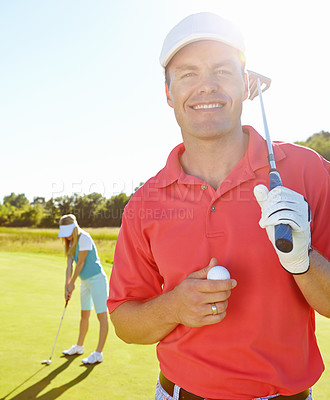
[
  {"x": 165, "y": 59},
  {"x": 66, "y": 230}
]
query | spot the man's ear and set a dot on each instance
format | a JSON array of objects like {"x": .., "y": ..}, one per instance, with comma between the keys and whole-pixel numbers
[
  {"x": 168, "y": 96},
  {"x": 246, "y": 87}
]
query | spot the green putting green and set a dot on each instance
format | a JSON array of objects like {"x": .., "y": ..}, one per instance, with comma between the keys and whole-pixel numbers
[
  {"x": 32, "y": 303},
  {"x": 31, "y": 308}
]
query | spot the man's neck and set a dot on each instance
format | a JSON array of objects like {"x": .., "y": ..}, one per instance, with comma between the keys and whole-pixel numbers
[{"x": 212, "y": 160}]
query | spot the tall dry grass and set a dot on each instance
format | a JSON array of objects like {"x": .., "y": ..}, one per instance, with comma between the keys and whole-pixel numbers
[{"x": 29, "y": 240}]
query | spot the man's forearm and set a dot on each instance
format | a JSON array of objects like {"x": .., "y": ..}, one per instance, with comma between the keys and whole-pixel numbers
[
  {"x": 144, "y": 322},
  {"x": 315, "y": 283}
]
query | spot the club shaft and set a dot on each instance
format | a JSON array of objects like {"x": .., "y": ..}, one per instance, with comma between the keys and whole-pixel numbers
[
  {"x": 268, "y": 141},
  {"x": 283, "y": 232},
  {"x": 58, "y": 331}
]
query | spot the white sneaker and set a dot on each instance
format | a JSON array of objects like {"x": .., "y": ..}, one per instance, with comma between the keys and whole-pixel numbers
[
  {"x": 93, "y": 358},
  {"x": 75, "y": 349}
]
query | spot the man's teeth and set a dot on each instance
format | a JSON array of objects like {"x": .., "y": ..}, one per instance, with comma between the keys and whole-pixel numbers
[{"x": 203, "y": 106}]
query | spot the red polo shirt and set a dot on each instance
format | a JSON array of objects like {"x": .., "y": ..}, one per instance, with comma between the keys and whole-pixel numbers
[{"x": 172, "y": 227}]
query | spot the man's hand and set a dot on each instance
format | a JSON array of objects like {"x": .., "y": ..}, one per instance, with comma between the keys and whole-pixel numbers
[
  {"x": 195, "y": 296},
  {"x": 190, "y": 304},
  {"x": 284, "y": 206}
]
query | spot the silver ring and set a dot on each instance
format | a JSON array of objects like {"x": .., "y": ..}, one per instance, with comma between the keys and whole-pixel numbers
[{"x": 214, "y": 309}]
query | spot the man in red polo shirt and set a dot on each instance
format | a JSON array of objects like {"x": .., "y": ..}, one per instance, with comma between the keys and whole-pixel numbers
[{"x": 252, "y": 336}]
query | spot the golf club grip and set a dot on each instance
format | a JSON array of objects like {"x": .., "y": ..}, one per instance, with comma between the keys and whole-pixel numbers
[{"x": 283, "y": 232}]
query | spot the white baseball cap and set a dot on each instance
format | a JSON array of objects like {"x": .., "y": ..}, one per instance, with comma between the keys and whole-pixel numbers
[
  {"x": 200, "y": 26},
  {"x": 66, "y": 230}
]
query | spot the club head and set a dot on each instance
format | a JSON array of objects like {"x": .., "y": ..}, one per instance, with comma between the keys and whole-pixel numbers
[
  {"x": 47, "y": 362},
  {"x": 253, "y": 85}
]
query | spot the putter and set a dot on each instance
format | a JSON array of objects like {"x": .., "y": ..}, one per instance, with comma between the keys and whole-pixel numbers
[
  {"x": 258, "y": 84},
  {"x": 48, "y": 362}
]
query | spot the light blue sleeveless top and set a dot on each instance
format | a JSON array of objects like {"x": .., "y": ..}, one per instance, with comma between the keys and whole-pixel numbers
[{"x": 92, "y": 264}]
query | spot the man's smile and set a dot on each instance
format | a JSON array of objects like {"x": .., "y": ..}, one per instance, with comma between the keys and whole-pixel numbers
[{"x": 204, "y": 106}]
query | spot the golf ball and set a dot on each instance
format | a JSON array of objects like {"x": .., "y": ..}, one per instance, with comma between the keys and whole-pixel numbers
[{"x": 218, "y": 273}]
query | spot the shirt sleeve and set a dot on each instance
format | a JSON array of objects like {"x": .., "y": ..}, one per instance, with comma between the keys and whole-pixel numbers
[
  {"x": 135, "y": 275},
  {"x": 308, "y": 173},
  {"x": 85, "y": 242},
  {"x": 320, "y": 206}
]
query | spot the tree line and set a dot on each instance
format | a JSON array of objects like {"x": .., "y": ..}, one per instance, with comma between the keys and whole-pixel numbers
[
  {"x": 319, "y": 142},
  {"x": 93, "y": 210}
]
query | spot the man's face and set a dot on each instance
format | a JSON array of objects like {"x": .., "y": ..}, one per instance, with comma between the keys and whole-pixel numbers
[{"x": 206, "y": 89}]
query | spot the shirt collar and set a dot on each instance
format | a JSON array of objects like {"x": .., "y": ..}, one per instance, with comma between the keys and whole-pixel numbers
[{"x": 255, "y": 158}]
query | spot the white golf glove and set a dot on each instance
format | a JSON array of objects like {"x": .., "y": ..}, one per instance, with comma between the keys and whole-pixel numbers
[{"x": 284, "y": 206}]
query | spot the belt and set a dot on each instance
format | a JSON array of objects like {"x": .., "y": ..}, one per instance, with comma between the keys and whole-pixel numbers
[{"x": 168, "y": 386}]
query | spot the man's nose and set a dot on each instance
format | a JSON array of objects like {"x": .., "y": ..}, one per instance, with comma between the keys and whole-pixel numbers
[{"x": 208, "y": 84}]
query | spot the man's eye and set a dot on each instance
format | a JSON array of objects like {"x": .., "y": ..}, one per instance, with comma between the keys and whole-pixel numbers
[
  {"x": 223, "y": 71},
  {"x": 187, "y": 75}
]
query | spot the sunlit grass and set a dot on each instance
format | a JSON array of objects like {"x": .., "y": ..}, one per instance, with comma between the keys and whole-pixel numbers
[
  {"x": 45, "y": 241},
  {"x": 32, "y": 303}
]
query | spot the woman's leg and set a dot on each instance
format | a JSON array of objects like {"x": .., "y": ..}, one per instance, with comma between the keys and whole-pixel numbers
[
  {"x": 84, "y": 322},
  {"x": 104, "y": 327},
  {"x": 99, "y": 289}
]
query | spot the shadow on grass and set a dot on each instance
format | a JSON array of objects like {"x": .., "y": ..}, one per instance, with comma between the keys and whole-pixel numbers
[{"x": 32, "y": 392}]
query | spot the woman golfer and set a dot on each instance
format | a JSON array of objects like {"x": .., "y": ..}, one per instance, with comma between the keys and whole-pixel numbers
[{"x": 80, "y": 247}]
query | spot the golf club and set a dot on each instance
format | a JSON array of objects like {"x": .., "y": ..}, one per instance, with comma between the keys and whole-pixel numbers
[
  {"x": 48, "y": 362},
  {"x": 258, "y": 84}
]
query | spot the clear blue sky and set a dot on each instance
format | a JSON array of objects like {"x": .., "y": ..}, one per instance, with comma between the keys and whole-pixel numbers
[{"x": 82, "y": 104}]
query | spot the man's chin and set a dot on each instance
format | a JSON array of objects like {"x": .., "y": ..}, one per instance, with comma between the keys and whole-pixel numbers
[{"x": 209, "y": 131}]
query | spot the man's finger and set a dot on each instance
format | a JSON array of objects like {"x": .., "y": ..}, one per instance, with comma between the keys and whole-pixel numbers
[
  {"x": 202, "y": 273},
  {"x": 260, "y": 193}
]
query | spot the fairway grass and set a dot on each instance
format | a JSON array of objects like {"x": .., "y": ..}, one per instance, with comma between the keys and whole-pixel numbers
[{"x": 32, "y": 302}]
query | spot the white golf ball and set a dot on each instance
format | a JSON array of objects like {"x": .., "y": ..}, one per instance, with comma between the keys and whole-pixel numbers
[{"x": 218, "y": 273}]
